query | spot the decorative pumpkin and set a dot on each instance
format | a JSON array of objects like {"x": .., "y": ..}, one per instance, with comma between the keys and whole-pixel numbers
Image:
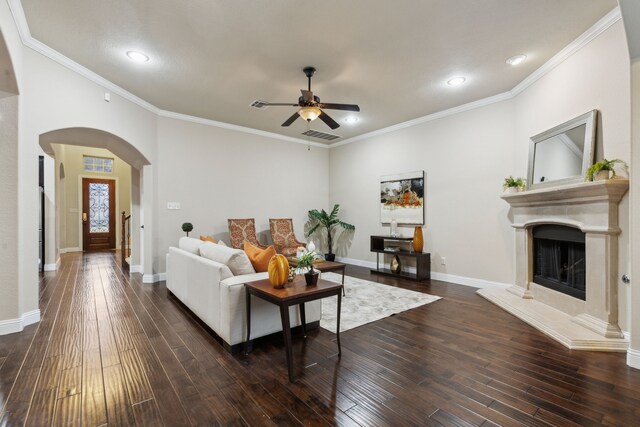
[{"x": 278, "y": 271}]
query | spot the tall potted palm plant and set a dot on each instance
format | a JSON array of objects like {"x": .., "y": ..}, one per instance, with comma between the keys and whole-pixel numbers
[{"x": 328, "y": 221}]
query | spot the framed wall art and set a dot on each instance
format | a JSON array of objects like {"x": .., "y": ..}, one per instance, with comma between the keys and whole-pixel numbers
[{"x": 402, "y": 198}]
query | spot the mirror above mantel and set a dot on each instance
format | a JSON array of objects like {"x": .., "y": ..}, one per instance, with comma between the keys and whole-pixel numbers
[{"x": 563, "y": 154}]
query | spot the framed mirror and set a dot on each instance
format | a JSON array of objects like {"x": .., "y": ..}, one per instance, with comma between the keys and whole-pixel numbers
[{"x": 563, "y": 154}]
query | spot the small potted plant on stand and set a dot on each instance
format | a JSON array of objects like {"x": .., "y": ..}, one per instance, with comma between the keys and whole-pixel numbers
[
  {"x": 187, "y": 227},
  {"x": 602, "y": 170},
  {"x": 328, "y": 221},
  {"x": 306, "y": 261},
  {"x": 513, "y": 185}
]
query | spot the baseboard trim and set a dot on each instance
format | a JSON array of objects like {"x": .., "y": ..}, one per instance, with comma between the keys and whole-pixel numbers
[
  {"x": 12, "y": 326},
  {"x": 468, "y": 281},
  {"x": 633, "y": 358},
  {"x": 68, "y": 250},
  {"x": 135, "y": 269},
  {"x": 444, "y": 277},
  {"x": 154, "y": 278},
  {"x": 52, "y": 267}
]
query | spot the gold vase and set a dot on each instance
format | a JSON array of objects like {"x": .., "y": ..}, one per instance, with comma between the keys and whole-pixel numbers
[{"x": 418, "y": 240}]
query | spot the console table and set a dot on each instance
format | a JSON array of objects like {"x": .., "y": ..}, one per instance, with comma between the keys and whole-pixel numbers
[{"x": 423, "y": 260}]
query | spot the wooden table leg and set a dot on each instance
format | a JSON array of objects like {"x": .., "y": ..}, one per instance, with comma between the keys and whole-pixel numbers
[
  {"x": 303, "y": 319},
  {"x": 338, "y": 324},
  {"x": 343, "y": 292},
  {"x": 248, "y": 306},
  {"x": 286, "y": 330}
]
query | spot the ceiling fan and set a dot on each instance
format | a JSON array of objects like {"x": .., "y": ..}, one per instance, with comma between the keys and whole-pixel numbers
[{"x": 311, "y": 107}]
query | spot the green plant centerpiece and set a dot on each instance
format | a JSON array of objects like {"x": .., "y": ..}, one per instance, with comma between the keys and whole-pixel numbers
[
  {"x": 329, "y": 221},
  {"x": 514, "y": 184},
  {"x": 306, "y": 261},
  {"x": 187, "y": 227},
  {"x": 605, "y": 166}
]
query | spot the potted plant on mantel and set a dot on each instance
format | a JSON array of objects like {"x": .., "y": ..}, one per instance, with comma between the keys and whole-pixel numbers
[
  {"x": 306, "y": 261},
  {"x": 328, "y": 221},
  {"x": 602, "y": 170},
  {"x": 513, "y": 185}
]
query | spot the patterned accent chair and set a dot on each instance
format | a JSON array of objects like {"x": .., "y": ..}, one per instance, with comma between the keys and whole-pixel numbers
[
  {"x": 284, "y": 238},
  {"x": 241, "y": 230}
]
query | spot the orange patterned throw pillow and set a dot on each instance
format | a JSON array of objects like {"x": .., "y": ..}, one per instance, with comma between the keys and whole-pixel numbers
[
  {"x": 208, "y": 239},
  {"x": 259, "y": 257}
]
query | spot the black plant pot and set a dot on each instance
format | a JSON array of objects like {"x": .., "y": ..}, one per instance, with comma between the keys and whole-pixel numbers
[
  {"x": 311, "y": 278},
  {"x": 330, "y": 257}
]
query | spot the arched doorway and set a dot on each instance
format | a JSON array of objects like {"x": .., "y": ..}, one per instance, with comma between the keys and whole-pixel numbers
[{"x": 99, "y": 144}]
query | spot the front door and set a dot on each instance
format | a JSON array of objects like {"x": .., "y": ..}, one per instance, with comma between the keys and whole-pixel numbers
[{"x": 98, "y": 214}]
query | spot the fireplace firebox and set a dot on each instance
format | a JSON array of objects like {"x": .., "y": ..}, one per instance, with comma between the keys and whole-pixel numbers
[{"x": 559, "y": 259}]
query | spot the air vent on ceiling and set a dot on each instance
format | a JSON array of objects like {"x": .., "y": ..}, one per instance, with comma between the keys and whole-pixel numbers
[
  {"x": 259, "y": 104},
  {"x": 321, "y": 135}
]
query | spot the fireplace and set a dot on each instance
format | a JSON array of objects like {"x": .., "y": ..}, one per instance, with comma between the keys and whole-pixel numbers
[
  {"x": 559, "y": 259},
  {"x": 557, "y": 230}
]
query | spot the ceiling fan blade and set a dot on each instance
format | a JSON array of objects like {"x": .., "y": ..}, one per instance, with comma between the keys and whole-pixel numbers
[
  {"x": 291, "y": 119},
  {"x": 328, "y": 120},
  {"x": 307, "y": 95},
  {"x": 278, "y": 104},
  {"x": 344, "y": 107}
]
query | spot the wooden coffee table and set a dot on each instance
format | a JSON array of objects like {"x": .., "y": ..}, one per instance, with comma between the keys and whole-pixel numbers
[
  {"x": 294, "y": 293},
  {"x": 324, "y": 266}
]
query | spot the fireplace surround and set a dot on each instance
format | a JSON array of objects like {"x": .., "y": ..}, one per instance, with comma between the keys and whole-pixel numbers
[{"x": 591, "y": 208}]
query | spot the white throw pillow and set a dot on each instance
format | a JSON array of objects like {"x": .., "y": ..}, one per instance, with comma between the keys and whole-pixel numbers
[
  {"x": 190, "y": 245},
  {"x": 237, "y": 261},
  {"x": 221, "y": 243}
]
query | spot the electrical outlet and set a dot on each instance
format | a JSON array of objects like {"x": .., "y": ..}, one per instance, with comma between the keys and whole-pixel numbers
[{"x": 443, "y": 261}]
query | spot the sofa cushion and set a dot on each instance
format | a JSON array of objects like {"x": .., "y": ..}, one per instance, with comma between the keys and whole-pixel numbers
[
  {"x": 190, "y": 245},
  {"x": 246, "y": 278},
  {"x": 259, "y": 257},
  {"x": 237, "y": 261}
]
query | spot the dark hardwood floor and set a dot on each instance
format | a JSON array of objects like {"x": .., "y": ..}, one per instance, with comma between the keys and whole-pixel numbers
[{"x": 113, "y": 351}]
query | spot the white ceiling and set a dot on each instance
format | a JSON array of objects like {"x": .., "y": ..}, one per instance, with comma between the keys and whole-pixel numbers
[{"x": 212, "y": 58}]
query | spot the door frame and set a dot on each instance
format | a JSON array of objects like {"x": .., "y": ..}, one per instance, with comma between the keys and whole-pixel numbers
[{"x": 79, "y": 216}]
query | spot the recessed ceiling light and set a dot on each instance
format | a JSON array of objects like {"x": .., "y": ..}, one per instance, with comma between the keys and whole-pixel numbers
[
  {"x": 351, "y": 119},
  {"x": 456, "y": 81},
  {"x": 515, "y": 60},
  {"x": 137, "y": 56}
]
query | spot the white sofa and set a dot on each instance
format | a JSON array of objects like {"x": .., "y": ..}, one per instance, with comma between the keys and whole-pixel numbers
[{"x": 212, "y": 292}]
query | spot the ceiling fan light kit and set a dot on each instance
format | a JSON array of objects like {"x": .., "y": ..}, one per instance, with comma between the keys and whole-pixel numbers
[
  {"x": 311, "y": 107},
  {"x": 310, "y": 113}
]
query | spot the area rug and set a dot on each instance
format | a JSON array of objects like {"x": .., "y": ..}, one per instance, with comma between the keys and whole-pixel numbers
[{"x": 366, "y": 302}]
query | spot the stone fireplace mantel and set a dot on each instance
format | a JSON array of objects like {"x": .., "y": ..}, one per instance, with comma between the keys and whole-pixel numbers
[{"x": 591, "y": 207}]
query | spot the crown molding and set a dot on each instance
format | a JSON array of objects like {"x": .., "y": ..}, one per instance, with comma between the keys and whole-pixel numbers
[
  {"x": 229, "y": 126},
  {"x": 435, "y": 116},
  {"x": 587, "y": 37},
  {"x": 25, "y": 34}
]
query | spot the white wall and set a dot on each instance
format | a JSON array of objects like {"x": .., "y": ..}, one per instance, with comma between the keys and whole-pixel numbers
[
  {"x": 11, "y": 311},
  {"x": 217, "y": 174},
  {"x": 466, "y": 157},
  {"x": 9, "y": 297}
]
